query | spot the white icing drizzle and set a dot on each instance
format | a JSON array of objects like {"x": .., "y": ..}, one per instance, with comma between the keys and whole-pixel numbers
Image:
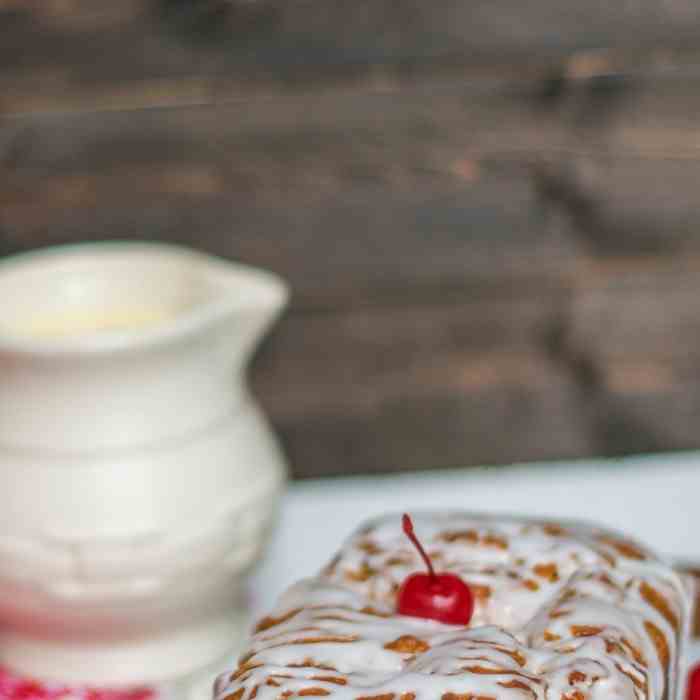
[{"x": 563, "y": 612}]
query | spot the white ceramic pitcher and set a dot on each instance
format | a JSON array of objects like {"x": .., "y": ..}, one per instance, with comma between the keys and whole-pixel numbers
[{"x": 138, "y": 480}]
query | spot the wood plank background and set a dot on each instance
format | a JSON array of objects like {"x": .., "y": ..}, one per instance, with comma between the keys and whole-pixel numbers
[{"x": 487, "y": 211}]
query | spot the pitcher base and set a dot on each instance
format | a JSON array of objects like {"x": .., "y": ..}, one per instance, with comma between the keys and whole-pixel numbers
[{"x": 156, "y": 660}]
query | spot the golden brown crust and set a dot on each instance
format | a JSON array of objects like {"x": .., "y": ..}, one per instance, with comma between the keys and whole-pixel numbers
[
  {"x": 547, "y": 571},
  {"x": 624, "y": 547},
  {"x": 268, "y": 622},
  {"x": 659, "y": 640},
  {"x": 585, "y": 630},
  {"x": 408, "y": 644},
  {"x": 658, "y": 601}
]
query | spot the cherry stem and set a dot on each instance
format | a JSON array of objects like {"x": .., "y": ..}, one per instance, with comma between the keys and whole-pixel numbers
[{"x": 407, "y": 525}]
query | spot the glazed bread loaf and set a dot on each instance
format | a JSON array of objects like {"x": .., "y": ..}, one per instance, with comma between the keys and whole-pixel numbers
[{"x": 562, "y": 612}]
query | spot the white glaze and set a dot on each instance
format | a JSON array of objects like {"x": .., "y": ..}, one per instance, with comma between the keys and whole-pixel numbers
[{"x": 599, "y": 582}]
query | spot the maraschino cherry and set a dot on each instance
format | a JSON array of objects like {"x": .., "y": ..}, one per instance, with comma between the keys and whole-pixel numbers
[
  {"x": 442, "y": 597},
  {"x": 693, "y": 688}
]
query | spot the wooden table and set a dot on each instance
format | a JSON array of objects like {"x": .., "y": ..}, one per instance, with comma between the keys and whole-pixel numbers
[{"x": 487, "y": 211}]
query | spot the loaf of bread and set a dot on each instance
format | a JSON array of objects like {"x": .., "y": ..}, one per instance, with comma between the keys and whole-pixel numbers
[{"x": 562, "y": 612}]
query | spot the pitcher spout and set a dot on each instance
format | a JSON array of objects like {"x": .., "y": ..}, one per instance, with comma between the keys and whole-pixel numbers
[
  {"x": 157, "y": 335},
  {"x": 252, "y": 300}
]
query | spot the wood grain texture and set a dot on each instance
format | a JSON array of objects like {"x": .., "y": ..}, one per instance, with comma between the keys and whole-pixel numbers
[
  {"x": 389, "y": 389},
  {"x": 83, "y": 54},
  {"x": 487, "y": 211},
  {"x": 314, "y": 187}
]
